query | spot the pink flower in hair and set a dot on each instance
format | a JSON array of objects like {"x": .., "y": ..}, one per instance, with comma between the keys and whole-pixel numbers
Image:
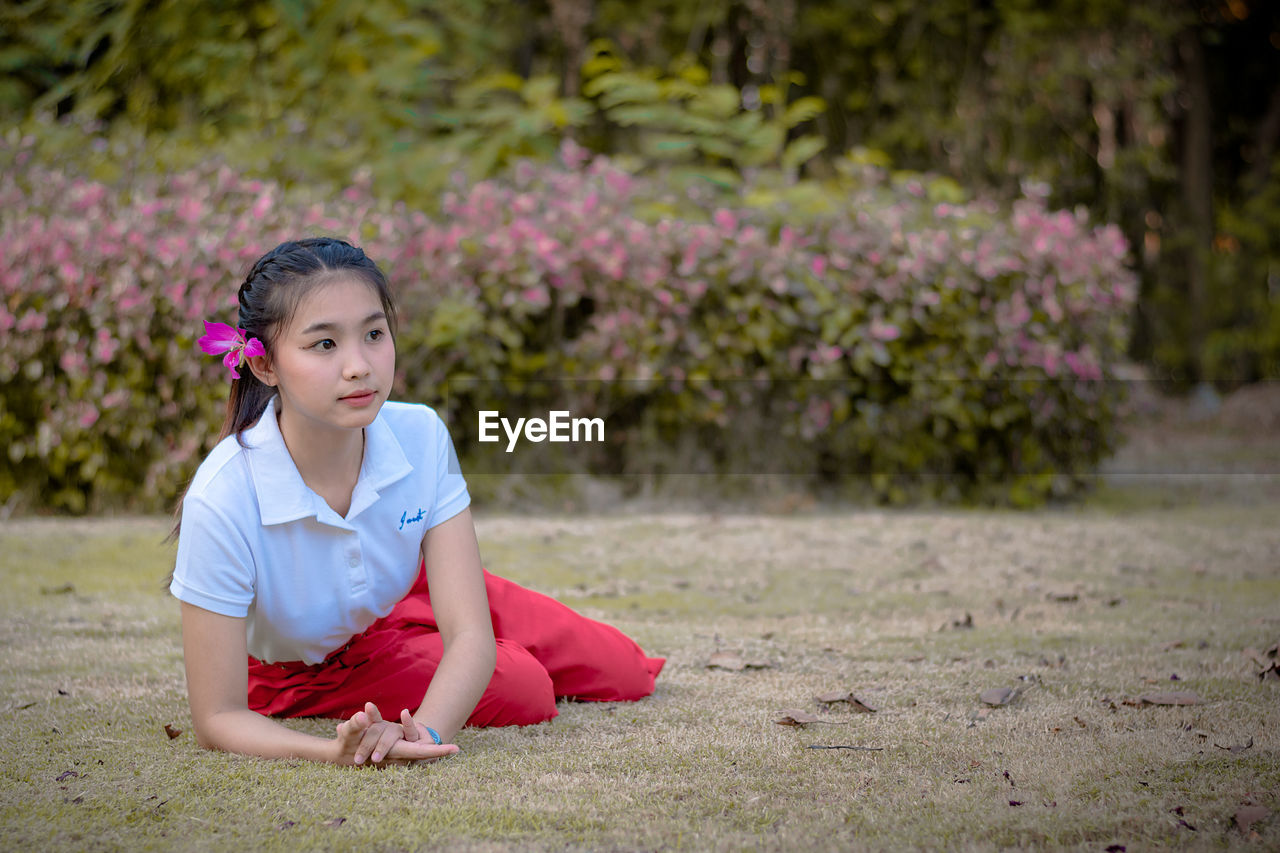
[{"x": 220, "y": 338}]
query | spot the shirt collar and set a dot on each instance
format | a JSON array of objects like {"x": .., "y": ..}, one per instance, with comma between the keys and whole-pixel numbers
[{"x": 283, "y": 495}]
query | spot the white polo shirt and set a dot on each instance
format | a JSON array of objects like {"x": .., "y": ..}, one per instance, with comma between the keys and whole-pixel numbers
[{"x": 258, "y": 543}]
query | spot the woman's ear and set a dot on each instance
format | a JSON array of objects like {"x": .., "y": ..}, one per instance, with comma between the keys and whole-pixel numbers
[{"x": 261, "y": 367}]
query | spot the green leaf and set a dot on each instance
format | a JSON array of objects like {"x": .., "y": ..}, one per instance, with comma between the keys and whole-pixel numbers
[
  {"x": 800, "y": 151},
  {"x": 719, "y": 101},
  {"x": 541, "y": 90},
  {"x": 665, "y": 145},
  {"x": 803, "y": 110}
]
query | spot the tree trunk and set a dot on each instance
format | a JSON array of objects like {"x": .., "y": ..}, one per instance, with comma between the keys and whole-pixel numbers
[
  {"x": 1197, "y": 189},
  {"x": 571, "y": 19},
  {"x": 1264, "y": 147}
]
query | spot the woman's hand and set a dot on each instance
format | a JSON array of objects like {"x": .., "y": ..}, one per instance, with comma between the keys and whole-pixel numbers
[
  {"x": 414, "y": 731},
  {"x": 366, "y": 737}
]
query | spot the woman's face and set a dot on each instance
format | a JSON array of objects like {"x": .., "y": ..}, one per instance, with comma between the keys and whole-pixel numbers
[{"x": 334, "y": 363}]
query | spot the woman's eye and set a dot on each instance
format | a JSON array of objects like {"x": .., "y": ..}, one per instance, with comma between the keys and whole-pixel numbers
[
  {"x": 376, "y": 335},
  {"x": 325, "y": 345}
]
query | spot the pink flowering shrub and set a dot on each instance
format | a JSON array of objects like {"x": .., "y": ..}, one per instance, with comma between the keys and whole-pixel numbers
[
  {"x": 957, "y": 350},
  {"x": 953, "y": 349},
  {"x": 103, "y": 290}
]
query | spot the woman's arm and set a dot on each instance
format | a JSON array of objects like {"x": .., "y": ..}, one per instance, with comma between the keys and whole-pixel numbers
[
  {"x": 216, "y": 656},
  {"x": 461, "y": 607}
]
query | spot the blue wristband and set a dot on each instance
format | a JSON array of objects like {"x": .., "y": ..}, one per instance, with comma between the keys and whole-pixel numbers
[{"x": 435, "y": 735}]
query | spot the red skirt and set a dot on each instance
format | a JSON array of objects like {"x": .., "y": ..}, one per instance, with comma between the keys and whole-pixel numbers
[{"x": 545, "y": 651}]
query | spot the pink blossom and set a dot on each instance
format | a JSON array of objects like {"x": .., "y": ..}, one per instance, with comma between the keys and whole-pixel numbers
[
  {"x": 882, "y": 331},
  {"x": 190, "y": 210},
  {"x": 220, "y": 338},
  {"x": 31, "y": 321},
  {"x": 818, "y": 265},
  {"x": 105, "y": 346},
  {"x": 261, "y": 206},
  {"x": 572, "y": 154},
  {"x": 1051, "y": 361}
]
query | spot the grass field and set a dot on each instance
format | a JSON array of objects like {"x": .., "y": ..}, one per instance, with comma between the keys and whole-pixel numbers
[
  {"x": 1079, "y": 611},
  {"x": 1165, "y": 580}
]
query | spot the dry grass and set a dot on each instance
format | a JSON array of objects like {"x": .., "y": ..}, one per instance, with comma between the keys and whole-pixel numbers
[{"x": 1079, "y": 609}]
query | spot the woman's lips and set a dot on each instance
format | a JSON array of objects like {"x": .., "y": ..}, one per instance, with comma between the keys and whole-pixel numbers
[{"x": 360, "y": 399}]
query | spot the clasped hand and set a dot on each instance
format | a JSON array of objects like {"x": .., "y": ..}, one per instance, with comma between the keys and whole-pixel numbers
[{"x": 368, "y": 737}]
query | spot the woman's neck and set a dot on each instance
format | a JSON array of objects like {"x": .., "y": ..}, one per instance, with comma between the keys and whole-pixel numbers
[{"x": 328, "y": 459}]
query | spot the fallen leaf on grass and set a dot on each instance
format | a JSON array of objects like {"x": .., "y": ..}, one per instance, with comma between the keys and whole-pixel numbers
[
  {"x": 171, "y": 731},
  {"x": 733, "y": 662},
  {"x": 846, "y": 746},
  {"x": 966, "y": 622},
  {"x": 1015, "y": 802},
  {"x": 1256, "y": 656},
  {"x": 853, "y": 701},
  {"x": 1116, "y": 848},
  {"x": 67, "y": 774},
  {"x": 1247, "y": 816},
  {"x": 800, "y": 719},
  {"x": 337, "y": 821},
  {"x": 1172, "y": 697},
  {"x": 726, "y": 660},
  {"x": 1172, "y": 644},
  {"x": 65, "y": 589},
  {"x": 287, "y": 824},
  {"x": 1063, "y": 597},
  {"x": 1238, "y": 748},
  {"x": 997, "y": 696}
]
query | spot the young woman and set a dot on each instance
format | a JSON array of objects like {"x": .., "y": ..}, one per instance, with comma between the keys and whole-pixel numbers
[{"x": 327, "y": 564}]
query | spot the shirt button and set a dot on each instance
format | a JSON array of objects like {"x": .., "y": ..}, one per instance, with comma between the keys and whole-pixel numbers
[{"x": 353, "y": 560}]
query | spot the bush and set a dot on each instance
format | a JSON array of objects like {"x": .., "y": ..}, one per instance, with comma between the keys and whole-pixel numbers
[{"x": 877, "y": 324}]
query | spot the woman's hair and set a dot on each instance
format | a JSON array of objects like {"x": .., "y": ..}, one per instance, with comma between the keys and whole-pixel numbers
[{"x": 269, "y": 297}]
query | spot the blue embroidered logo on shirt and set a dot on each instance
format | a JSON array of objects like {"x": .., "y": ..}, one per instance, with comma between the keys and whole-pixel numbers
[{"x": 405, "y": 519}]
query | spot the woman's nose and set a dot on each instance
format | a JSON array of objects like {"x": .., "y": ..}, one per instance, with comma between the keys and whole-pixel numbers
[{"x": 356, "y": 367}]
